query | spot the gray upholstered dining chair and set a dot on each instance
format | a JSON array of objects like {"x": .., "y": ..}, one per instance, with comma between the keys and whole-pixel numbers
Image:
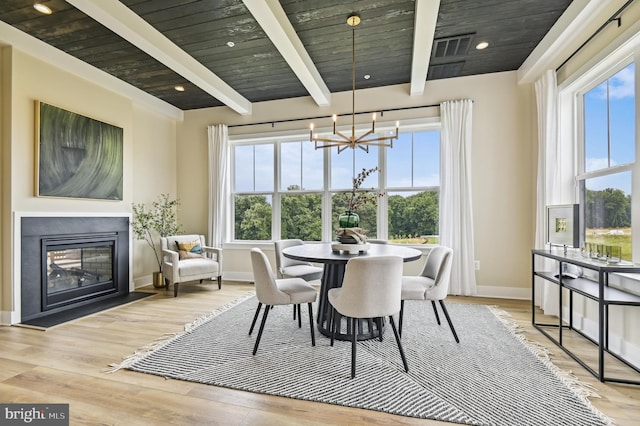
[
  {"x": 432, "y": 284},
  {"x": 290, "y": 268},
  {"x": 187, "y": 258},
  {"x": 271, "y": 291},
  {"x": 377, "y": 241},
  {"x": 370, "y": 289}
]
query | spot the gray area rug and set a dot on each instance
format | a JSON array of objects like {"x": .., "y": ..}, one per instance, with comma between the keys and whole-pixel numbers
[{"x": 492, "y": 377}]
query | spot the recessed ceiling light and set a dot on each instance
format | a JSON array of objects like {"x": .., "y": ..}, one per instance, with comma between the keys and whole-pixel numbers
[
  {"x": 42, "y": 8},
  {"x": 367, "y": 76},
  {"x": 482, "y": 45},
  {"x": 179, "y": 88},
  {"x": 230, "y": 44}
]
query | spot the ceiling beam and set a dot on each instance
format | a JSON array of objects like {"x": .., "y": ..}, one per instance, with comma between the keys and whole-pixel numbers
[
  {"x": 426, "y": 15},
  {"x": 124, "y": 22},
  {"x": 275, "y": 23},
  {"x": 47, "y": 53}
]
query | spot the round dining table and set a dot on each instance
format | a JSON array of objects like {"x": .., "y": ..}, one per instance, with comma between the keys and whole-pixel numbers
[{"x": 334, "y": 266}]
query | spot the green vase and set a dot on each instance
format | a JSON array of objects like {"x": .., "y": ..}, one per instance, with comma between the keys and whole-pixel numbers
[{"x": 349, "y": 220}]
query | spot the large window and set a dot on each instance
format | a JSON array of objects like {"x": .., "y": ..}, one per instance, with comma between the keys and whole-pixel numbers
[
  {"x": 287, "y": 189},
  {"x": 301, "y": 185},
  {"x": 413, "y": 183},
  {"x": 605, "y": 175},
  {"x": 253, "y": 198}
]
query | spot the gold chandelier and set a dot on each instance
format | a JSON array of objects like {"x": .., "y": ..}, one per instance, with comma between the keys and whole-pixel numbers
[{"x": 340, "y": 140}]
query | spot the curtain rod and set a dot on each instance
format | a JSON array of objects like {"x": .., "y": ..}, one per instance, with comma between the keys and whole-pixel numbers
[
  {"x": 613, "y": 18},
  {"x": 273, "y": 122}
]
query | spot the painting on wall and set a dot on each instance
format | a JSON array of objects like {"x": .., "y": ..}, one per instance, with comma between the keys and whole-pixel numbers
[{"x": 77, "y": 156}]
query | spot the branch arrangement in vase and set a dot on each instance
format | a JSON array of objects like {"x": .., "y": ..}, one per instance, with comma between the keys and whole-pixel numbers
[
  {"x": 160, "y": 218},
  {"x": 358, "y": 197}
]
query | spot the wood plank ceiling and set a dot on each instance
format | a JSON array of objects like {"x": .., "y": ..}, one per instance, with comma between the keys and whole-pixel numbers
[{"x": 256, "y": 69}]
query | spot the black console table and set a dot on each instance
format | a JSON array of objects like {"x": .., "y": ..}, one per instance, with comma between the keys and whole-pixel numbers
[{"x": 599, "y": 291}]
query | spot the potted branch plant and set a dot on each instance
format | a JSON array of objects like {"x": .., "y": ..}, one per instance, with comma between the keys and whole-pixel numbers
[
  {"x": 160, "y": 220},
  {"x": 356, "y": 198}
]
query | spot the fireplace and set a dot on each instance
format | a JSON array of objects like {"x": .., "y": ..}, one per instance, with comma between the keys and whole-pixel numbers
[
  {"x": 67, "y": 262},
  {"x": 76, "y": 267}
]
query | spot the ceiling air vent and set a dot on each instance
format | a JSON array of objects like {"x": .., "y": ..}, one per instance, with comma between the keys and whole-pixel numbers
[
  {"x": 452, "y": 69},
  {"x": 452, "y": 46}
]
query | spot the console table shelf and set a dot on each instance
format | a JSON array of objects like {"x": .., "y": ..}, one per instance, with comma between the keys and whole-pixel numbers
[{"x": 597, "y": 290}]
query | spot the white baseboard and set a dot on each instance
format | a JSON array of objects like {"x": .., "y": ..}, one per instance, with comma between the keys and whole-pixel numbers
[
  {"x": 9, "y": 317},
  {"x": 624, "y": 348},
  {"x": 142, "y": 281},
  {"x": 238, "y": 276},
  {"x": 504, "y": 292}
]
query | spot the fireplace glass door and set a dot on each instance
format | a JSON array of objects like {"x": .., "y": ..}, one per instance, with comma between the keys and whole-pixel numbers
[{"x": 77, "y": 269}]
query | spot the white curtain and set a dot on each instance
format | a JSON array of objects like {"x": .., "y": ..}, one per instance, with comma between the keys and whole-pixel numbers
[
  {"x": 548, "y": 178},
  {"x": 219, "y": 185},
  {"x": 456, "y": 215}
]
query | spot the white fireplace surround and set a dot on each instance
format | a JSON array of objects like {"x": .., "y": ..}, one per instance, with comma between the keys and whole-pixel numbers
[{"x": 13, "y": 316}]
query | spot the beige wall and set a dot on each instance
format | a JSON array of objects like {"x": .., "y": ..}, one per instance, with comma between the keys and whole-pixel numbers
[
  {"x": 502, "y": 173},
  {"x": 154, "y": 173},
  {"x": 35, "y": 80},
  {"x": 5, "y": 175},
  {"x": 149, "y": 152}
]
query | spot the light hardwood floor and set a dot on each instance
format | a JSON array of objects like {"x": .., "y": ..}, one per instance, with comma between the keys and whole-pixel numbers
[{"x": 65, "y": 365}]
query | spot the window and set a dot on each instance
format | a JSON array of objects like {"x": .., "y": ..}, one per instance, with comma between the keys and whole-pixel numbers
[
  {"x": 413, "y": 184},
  {"x": 301, "y": 184},
  {"x": 253, "y": 194},
  {"x": 605, "y": 184},
  {"x": 287, "y": 189},
  {"x": 344, "y": 167}
]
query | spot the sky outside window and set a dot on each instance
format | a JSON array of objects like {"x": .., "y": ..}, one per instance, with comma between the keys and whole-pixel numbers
[
  {"x": 301, "y": 166},
  {"x": 253, "y": 168},
  {"x": 609, "y": 117},
  {"x": 414, "y": 161}
]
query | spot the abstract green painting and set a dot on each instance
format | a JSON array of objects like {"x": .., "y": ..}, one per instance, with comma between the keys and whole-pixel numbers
[{"x": 78, "y": 157}]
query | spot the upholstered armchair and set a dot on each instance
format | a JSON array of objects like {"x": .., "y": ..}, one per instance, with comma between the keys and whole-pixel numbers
[{"x": 187, "y": 258}]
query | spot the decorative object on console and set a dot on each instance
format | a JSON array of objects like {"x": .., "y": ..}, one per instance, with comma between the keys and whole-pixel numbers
[
  {"x": 162, "y": 219},
  {"x": 563, "y": 225},
  {"x": 77, "y": 156},
  {"x": 597, "y": 251},
  {"x": 614, "y": 254}
]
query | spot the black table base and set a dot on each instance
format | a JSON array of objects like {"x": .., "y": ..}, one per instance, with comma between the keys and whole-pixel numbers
[{"x": 367, "y": 328}]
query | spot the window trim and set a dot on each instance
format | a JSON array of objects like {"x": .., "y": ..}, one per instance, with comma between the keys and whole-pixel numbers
[{"x": 571, "y": 111}]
